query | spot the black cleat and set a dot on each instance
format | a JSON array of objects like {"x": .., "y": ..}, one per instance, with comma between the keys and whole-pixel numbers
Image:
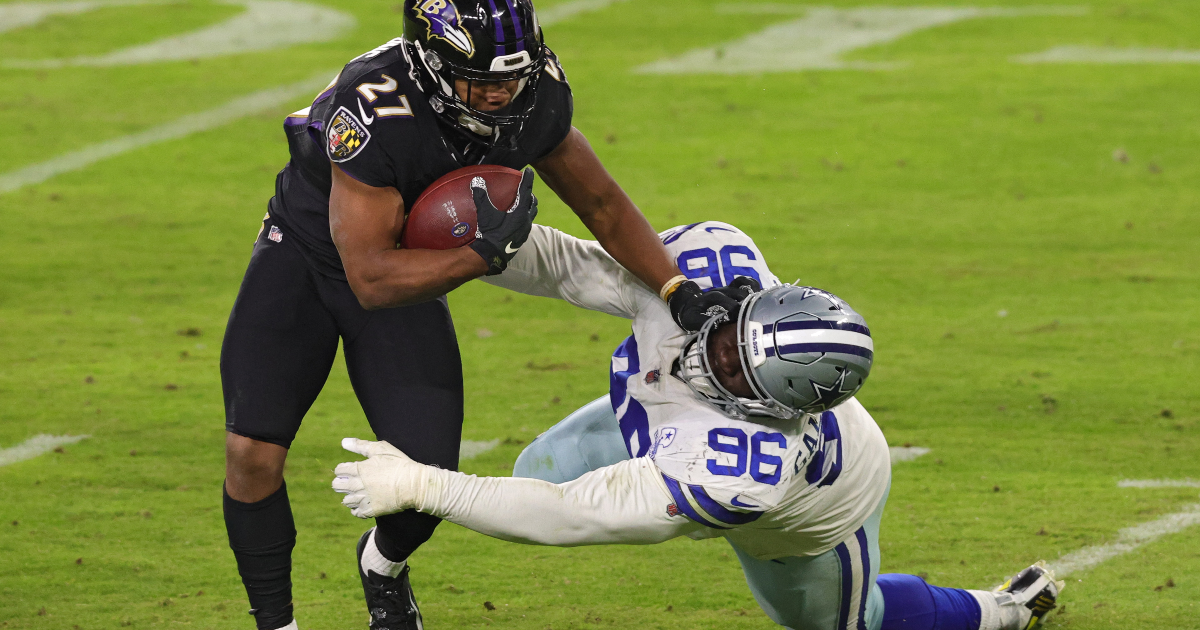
[
  {"x": 389, "y": 600},
  {"x": 1025, "y": 599}
]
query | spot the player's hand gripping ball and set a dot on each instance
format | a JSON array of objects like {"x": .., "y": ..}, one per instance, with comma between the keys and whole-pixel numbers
[
  {"x": 387, "y": 481},
  {"x": 460, "y": 209}
]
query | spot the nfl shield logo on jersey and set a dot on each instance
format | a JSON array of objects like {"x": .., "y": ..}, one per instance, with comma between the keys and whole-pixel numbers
[{"x": 347, "y": 136}]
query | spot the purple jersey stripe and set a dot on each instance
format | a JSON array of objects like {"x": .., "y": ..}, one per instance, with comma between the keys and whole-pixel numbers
[
  {"x": 847, "y": 571},
  {"x": 718, "y": 511},
  {"x": 322, "y": 95},
  {"x": 681, "y": 503},
  {"x": 516, "y": 22},
  {"x": 498, "y": 25},
  {"x": 865, "y": 553}
]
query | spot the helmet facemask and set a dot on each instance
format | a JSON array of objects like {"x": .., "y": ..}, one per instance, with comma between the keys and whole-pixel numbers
[
  {"x": 802, "y": 350},
  {"x": 438, "y": 77},
  {"x": 696, "y": 370}
]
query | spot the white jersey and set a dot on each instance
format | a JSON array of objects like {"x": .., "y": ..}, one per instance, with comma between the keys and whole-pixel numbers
[{"x": 776, "y": 488}]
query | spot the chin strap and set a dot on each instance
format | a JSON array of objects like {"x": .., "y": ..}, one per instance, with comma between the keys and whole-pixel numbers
[{"x": 477, "y": 127}]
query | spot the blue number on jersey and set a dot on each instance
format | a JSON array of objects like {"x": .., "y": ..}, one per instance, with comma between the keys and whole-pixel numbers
[
  {"x": 714, "y": 267},
  {"x": 635, "y": 425},
  {"x": 758, "y": 459},
  {"x": 711, "y": 269},
  {"x": 739, "y": 449},
  {"x": 826, "y": 464},
  {"x": 732, "y": 271}
]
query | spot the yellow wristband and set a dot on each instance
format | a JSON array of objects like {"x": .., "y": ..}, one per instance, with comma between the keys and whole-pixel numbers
[{"x": 669, "y": 288}]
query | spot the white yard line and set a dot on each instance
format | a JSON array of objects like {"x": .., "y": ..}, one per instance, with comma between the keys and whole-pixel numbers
[
  {"x": 470, "y": 449},
  {"x": 35, "y": 446},
  {"x": 1109, "y": 55},
  {"x": 265, "y": 25},
  {"x": 1158, "y": 483},
  {"x": 818, "y": 40},
  {"x": 906, "y": 453},
  {"x": 568, "y": 10},
  {"x": 16, "y": 15},
  {"x": 1128, "y": 539},
  {"x": 232, "y": 111}
]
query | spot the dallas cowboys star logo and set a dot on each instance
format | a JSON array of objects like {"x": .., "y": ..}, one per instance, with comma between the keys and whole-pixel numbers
[{"x": 827, "y": 397}]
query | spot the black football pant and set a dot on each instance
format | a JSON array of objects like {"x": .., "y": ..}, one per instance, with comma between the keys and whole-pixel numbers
[{"x": 279, "y": 346}]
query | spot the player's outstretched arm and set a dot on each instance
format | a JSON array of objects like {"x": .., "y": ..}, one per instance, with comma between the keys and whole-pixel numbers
[
  {"x": 556, "y": 265},
  {"x": 365, "y": 222},
  {"x": 625, "y": 503},
  {"x": 575, "y": 174}
]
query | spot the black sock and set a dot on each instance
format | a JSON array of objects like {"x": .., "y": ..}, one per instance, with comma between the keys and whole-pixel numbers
[
  {"x": 262, "y": 535},
  {"x": 398, "y": 535}
]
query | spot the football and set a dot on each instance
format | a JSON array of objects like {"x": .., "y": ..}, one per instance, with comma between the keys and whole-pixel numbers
[{"x": 443, "y": 217}]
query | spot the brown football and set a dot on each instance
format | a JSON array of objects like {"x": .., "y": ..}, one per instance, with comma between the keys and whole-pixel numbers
[{"x": 443, "y": 217}]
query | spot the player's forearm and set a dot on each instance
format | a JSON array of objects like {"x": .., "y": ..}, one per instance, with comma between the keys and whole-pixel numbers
[
  {"x": 626, "y": 234},
  {"x": 624, "y": 503},
  {"x": 399, "y": 277},
  {"x": 575, "y": 174},
  {"x": 556, "y": 265}
]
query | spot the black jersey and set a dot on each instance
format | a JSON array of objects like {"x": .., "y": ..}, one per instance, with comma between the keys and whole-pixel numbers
[{"x": 377, "y": 125}]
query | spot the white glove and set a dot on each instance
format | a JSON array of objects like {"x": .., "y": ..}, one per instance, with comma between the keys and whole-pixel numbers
[{"x": 388, "y": 481}]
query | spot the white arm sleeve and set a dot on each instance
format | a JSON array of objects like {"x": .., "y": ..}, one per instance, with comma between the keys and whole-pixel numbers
[
  {"x": 556, "y": 265},
  {"x": 625, "y": 503}
]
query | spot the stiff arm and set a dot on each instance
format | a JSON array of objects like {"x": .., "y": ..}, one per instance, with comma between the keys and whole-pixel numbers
[
  {"x": 556, "y": 265},
  {"x": 625, "y": 503}
]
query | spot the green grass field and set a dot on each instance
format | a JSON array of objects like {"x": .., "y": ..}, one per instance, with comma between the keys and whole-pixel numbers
[{"x": 1033, "y": 299}]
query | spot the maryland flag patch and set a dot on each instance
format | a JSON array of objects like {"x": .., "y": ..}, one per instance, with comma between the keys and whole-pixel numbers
[{"x": 347, "y": 136}]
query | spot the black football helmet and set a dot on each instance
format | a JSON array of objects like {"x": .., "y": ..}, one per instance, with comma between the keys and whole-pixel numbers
[{"x": 475, "y": 41}]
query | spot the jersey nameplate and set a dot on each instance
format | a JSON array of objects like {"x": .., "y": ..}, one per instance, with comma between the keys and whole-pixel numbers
[{"x": 346, "y": 135}]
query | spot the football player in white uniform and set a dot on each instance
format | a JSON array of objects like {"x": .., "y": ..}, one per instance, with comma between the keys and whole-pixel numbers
[{"x": 746, "y": 430}]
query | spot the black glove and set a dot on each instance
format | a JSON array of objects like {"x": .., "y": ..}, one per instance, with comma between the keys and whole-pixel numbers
[
  {"x": 692, "y": 307},
  {"x": 740, "y": 289},
  {"x": 499, "y": 234}
]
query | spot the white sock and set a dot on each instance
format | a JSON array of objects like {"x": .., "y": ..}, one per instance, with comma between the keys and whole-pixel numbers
[
  {"x": 290, "y": 626},
  {"x": 989, "y": 611},
  {"x": 372, "y": 560}
]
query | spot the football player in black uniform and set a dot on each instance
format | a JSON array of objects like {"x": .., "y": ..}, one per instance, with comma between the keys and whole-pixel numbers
[{"x": 470, "y": 82}]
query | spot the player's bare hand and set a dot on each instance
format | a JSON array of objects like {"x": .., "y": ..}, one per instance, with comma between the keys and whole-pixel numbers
[
  {"x": 387, "y": 481},
  {"x": 502, "y": 233}
]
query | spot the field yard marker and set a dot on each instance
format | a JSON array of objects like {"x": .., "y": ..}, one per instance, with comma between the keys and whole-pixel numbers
[
  {"x": 1158, "y": 483},
  {"x": 819, "y": 39},
  {"x": 265, "y": 25},
  {"x": 1128, "y": 539},
  {"x": 16, "y": 15},
  {"x": 906, "y": 453},
  {"x": 470, "y": 449},
  {"x": 232, "y": 111},
  {"x": 1111, "y": 55},
  {"x": 568, "y": 10},
  {"x": 35, "y": 446}
]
